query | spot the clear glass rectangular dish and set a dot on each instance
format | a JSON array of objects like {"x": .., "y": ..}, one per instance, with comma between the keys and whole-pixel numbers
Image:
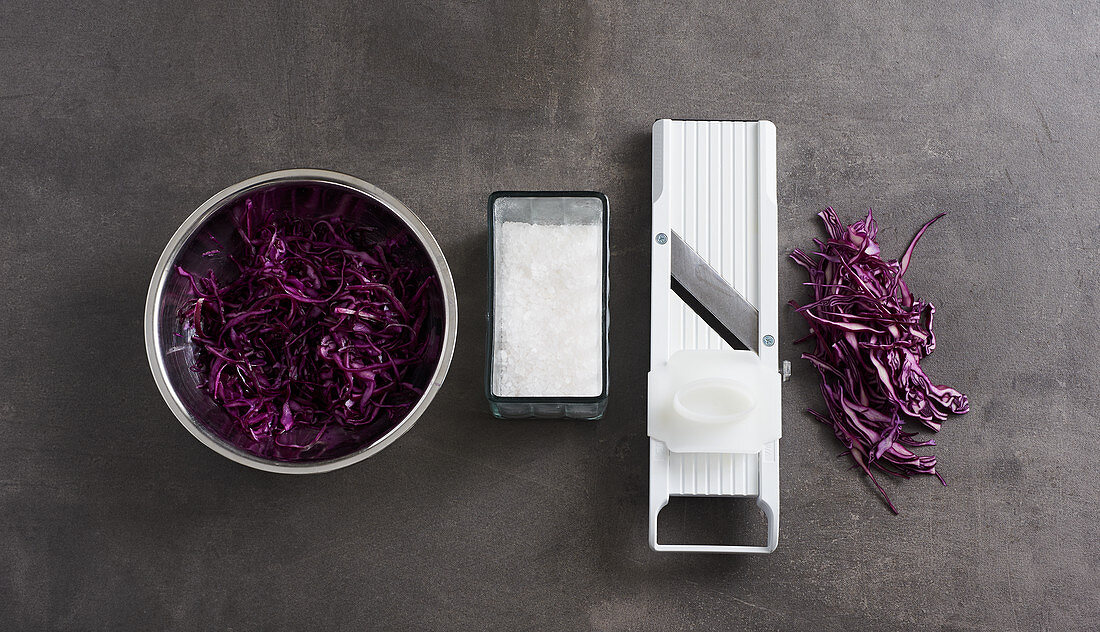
[{"x": 546, "y": 348}]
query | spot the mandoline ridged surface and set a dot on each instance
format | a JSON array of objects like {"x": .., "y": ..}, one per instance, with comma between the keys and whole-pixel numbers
[{"x": 713, "y": 208}]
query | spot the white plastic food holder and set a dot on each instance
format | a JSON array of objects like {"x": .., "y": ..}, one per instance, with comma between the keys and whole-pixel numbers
[{"x": 714, "y": 411}]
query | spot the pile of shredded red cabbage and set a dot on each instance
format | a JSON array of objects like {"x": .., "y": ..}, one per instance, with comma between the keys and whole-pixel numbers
[
  {"x": 310, "y": 337},
  {"x": 871, "y": 334}
]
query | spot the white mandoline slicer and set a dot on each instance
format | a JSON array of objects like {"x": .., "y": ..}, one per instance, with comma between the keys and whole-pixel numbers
[{"x": 714, "y": 380}]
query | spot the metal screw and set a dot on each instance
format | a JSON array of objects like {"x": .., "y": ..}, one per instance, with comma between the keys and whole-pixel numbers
[
  {"x": 769, "y": 340},
  {"x": 662, "y": 238}
]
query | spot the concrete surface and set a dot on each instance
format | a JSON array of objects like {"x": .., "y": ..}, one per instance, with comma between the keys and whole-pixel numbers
[{"x": 116, "y": 120}]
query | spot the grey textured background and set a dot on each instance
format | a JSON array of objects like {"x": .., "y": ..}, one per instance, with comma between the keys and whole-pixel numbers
[{"x": 117, "y": 120}]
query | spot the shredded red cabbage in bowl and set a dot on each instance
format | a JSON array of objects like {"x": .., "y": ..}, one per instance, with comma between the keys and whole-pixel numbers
[
  {"x": 314, "y": 322},
  {"x": 871, "y": 334}
]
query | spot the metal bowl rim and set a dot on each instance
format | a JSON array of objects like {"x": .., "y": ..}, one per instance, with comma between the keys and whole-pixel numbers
[{"x": 213, "y": 205}]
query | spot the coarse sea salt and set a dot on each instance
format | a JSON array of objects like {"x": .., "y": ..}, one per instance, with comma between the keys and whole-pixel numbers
[{"x": 548, "y": 310}]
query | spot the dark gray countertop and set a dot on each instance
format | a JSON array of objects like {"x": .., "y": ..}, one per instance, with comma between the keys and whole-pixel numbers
[{"x": 117, "y": 120}]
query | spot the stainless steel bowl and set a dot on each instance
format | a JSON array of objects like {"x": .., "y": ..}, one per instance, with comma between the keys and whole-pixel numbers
[{"x": 169, "y": 356}]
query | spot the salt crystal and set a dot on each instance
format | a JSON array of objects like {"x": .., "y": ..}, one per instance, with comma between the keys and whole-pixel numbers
[{"x": 548, "y": 310}]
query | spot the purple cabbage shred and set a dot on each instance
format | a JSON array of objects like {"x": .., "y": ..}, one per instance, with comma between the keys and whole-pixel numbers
[
  {"x": 311, "y": 338},
  {"x": 871, "y": 334}
]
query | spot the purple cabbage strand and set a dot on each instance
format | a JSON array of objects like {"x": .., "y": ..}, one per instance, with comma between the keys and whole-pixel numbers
[
  {"x": 310, "y": 338},
  {"x": 871, "y": 334}
]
